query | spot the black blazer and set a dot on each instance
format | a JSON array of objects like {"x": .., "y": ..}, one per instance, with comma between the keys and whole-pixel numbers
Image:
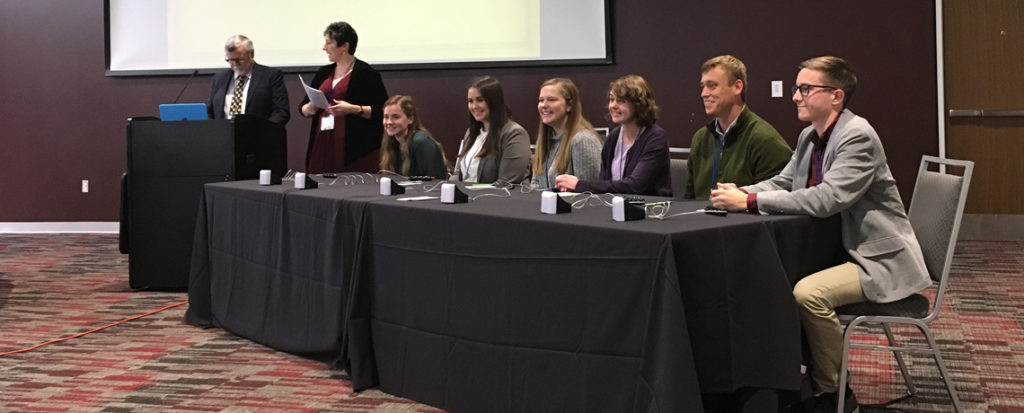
[
  {"x": 365, "y": 88},
  {"x": 268, "y": 97}
]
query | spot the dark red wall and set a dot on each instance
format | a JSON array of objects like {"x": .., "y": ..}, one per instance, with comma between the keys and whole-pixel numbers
[{"x": 62, "y": 120}]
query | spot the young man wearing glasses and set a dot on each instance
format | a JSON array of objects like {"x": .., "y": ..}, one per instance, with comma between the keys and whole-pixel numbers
[
  {"x": 737, "y": 146},
  {"x": 839, "y": 168},
  {"x": 248, "y": 87}
]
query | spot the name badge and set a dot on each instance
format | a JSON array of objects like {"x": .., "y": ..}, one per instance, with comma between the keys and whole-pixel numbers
[{"x": 327, "y": 122}]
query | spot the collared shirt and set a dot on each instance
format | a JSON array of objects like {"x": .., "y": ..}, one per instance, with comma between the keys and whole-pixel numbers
[
  {"x": 818, "y": 154},
  {"x": 817, "y": 163},
  {"x": 720, "y": 139},
  {"x": 231, "y": 94}
]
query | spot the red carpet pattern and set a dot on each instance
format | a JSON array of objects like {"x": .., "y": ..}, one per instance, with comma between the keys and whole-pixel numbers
[
  {"x": 53, "y": 286},
  {"x": 57, "y": 285},
  {"x": 980, "y": 331}
]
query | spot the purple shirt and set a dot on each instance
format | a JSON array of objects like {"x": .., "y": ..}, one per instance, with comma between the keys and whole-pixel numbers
[
  {"x": 818, "y": 154},
  {"x": 619, "y": 161}
]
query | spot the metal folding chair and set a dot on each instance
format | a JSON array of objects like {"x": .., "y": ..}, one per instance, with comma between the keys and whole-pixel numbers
[{"x": 935, "y": 214}]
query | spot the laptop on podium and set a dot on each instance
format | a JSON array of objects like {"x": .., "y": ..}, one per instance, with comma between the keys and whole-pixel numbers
[{"x": 183, "y": 111}]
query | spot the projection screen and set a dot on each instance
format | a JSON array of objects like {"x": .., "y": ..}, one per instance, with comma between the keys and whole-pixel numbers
[{"x": 146, "y": 37}]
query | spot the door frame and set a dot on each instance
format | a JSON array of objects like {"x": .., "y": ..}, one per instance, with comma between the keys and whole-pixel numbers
[{"x": 940, "y": 79}]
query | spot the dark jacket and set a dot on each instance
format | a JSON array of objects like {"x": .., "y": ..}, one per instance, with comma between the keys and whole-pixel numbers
[
  {"x": 509, "y": 164},
  {"x": 646, "y": 171},
  {"x": 362, "y": 136},
  {"x": 425, "y": 157},
  {"x": 267, "y": 98}
]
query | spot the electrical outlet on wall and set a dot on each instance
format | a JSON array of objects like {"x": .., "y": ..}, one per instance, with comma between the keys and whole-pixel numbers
[
  {"x": 85, "y": 186},
  {"x": 776, "y": 88}
]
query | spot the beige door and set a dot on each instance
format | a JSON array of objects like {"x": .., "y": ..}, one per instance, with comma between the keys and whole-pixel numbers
[{"x": 983, "y": 43}]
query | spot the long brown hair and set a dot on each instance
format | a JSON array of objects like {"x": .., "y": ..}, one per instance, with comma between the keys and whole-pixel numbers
[
  {"x": 387, "y": 143},
  {"x": 498, "y": 116},
  {"x": 574, "y": 123}
]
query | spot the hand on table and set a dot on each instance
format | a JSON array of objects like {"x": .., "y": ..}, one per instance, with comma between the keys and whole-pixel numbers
[
  {"x": 729, "y": 197},
  {"x": 566, "y": 183}
]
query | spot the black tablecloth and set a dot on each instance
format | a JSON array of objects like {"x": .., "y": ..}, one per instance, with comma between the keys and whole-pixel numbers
[
  {"x": 491, "y": 306},
  {"x": 273, "y": 263}
]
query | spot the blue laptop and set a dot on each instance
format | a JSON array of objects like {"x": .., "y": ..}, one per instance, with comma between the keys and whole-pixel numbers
[{"x": 183, "y": 111}]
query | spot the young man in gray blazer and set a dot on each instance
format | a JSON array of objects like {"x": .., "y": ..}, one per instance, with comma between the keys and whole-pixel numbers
[{"x": 838, "y": 167}]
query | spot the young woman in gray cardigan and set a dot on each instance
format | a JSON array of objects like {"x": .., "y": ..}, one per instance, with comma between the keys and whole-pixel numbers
[{"x": 566, "y": 141}]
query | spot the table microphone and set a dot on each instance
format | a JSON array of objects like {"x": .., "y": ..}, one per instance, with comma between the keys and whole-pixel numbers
[
  {"x": 628, "y": 209},
  {"x": 552, "y": 203},
  {"x": 193, "y": 76}
]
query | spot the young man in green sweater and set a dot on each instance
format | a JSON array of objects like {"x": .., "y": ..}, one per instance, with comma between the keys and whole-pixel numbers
[{"x": 737, "y": 146}]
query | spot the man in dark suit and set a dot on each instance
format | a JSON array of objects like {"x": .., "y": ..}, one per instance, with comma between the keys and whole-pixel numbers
[{"x": 248, "y": 87}]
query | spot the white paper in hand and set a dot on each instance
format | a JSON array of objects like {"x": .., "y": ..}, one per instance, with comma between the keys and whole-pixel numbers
[{"x": 316, "y": 97}]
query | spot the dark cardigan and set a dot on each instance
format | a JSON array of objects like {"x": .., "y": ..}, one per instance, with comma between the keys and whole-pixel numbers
[
  {"x": 362, "y": 136},
  {"x": 646, "y": 171}
]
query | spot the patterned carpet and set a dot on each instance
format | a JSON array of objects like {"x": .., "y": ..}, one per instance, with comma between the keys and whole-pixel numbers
[
  {"x": 53, "y": 286},
  {"x": 57, "y": 285}
]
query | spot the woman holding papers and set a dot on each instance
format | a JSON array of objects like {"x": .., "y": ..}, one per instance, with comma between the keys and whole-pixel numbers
[
  {"x": 635, "y": 155},
  {"x": 495, "y": 149},
  {"x": 344, "y": 136},
  {"x": 566, "y": 142},
  {"x": 407, "y": 148}
]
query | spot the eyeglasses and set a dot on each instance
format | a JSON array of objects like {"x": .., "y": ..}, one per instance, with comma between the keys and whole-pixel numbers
[
  {"x": 805, "y": 89},
  {"x": 236, "y": 60}
]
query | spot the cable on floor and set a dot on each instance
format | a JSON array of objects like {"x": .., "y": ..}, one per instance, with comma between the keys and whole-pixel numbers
[{"x": 57, "y": 340}]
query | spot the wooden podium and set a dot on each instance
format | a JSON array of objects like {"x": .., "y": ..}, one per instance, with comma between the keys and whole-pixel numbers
[{"x": 168, "y": 164}]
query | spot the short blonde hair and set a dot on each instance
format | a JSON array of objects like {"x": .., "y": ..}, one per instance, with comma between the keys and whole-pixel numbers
[{"x": 732, "y": 66}]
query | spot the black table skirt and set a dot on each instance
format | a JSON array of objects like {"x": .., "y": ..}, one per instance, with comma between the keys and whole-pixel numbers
[
  {"x": 273, "y": 264},
  {"x": 492, "y": 306}
]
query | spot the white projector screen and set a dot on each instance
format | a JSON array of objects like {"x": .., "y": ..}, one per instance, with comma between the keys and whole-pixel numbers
[{"x": 177, "y": 36}]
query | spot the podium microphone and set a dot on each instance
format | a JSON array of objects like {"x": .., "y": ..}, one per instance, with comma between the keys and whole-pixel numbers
[{"x": 193, "y": 76}]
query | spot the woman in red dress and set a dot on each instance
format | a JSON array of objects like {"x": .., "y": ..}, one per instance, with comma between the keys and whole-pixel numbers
[{"x": 345, "y": 136}]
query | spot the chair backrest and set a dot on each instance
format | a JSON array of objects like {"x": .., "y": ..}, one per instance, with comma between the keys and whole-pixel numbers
[
  {"x": 935, "y": 213},
  {"x": 680, "y": 174}
]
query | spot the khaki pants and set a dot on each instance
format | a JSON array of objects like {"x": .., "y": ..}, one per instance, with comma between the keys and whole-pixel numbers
[{"x": 818, "y": 295}]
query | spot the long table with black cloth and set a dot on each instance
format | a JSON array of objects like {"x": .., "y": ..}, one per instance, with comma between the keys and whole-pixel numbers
[{"x": 491, "y": 306}]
